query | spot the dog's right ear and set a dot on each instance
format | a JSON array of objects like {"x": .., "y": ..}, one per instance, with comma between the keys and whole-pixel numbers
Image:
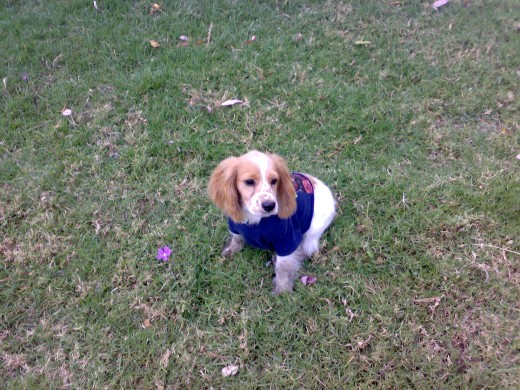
[{"x": 223, "y": 191}]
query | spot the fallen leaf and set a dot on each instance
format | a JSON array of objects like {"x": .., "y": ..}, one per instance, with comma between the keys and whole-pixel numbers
[
  {"x": 356, "y": 141},
  {"x": 362, "y": 43},
  {"x": 439, "y": 3},
  {"x": 66, "y": 112},
  {"x": 307, "y": 279},
  {"x": 230, "y": 370},
  {"x": 231, "y": 102},
  {"x": 183, "y": 44},
  {"x": 146, "y": 323},
  {"x": 349, "y": 311},
  {"x": 364, "y": 343},
  {"x": 165, "y": 358},
  {"x": 154, "y": 43},
  {"x": 155, "y": 8},
  {"x": 435, "y": 300}
]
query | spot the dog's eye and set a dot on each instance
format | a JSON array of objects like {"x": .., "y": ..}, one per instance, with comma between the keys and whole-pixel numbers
[
  {"x": 249, "y": 182},
  {"x": 274, "y": 181}
]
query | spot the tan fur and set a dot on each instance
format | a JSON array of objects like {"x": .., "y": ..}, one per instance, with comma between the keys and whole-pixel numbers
[
  {"x": 223, "y": 191},
  {"x": 228, "y": 192},
  {"x": 286, "y": 194}
]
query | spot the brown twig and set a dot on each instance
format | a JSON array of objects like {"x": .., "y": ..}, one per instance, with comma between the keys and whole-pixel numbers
[
  {"x": 209, "y": 33},
  {"x": 497, "y": 247}
]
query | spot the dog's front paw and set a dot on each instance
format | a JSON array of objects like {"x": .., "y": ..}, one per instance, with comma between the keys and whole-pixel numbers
[
  {"x": 280, "y": 287},
  {"x": 228, "y": 251},
  {"x": 232, "y": 246}
]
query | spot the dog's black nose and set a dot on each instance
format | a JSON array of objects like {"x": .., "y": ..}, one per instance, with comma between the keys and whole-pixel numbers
[{"x": 268, "y": 205}]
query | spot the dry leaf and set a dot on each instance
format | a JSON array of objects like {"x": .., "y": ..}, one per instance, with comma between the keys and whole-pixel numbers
[
  {"x": 155, "y": 8},
  {"x": 439, "y": 3},
  {"x": 165, "y": 358},
  {"x": 154, "y": 43},
  {"x": 66, "y": 112},
  {"x": 146, "y": 323},
  {"x": 183, "y": 44},
  {"x": 356, "y": 141},
  {"x": 364, "y": 343},
  {"x": 231, "y": 102},
  {"x": 349, "y": 311},
  {"x": 435, "y": 300},
  {"x": 230, "y": 370}
]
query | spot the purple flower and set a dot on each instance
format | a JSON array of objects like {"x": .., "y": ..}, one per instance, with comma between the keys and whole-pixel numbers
[
  {"x": 307, "y": 279},
  {"x": 164, "y": 253}
]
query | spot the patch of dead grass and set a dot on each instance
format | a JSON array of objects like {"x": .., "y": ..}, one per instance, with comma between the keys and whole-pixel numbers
[{"x": 15, "y": 363}]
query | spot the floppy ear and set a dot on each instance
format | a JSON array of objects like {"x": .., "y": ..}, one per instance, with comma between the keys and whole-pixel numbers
[
  {"x": 286, "y": 194},
  {"x": 223, "y": 191}
]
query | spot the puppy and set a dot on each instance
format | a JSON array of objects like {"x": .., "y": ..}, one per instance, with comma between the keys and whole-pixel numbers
[{"x": 270, "y": 208}]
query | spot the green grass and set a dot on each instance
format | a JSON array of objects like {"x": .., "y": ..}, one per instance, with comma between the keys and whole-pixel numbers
[{"x": 416, "y": 133}]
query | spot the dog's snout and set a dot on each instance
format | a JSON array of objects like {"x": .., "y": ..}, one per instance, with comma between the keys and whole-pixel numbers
[{"x": 268, "y": 205}]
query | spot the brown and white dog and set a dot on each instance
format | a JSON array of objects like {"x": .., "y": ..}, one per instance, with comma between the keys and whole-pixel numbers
[{"x": 270, "y": 208}]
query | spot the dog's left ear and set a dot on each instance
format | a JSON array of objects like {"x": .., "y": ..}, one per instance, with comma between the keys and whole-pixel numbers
[{"x": 286, "y": 194}]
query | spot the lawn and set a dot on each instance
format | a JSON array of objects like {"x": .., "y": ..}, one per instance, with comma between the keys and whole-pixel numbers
[{"x": 111, "y": 123}]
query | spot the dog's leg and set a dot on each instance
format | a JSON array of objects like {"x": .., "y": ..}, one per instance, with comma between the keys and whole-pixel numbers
[
  {"x": 233, "y": 245},
  {"x": 286, "y": 270}
]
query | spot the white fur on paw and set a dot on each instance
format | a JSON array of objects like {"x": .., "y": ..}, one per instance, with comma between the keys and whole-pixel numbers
[{"x": 279, "y": 288}]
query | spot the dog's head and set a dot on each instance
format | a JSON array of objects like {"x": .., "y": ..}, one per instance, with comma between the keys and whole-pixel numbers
[{"x": 253, "y": 186}]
